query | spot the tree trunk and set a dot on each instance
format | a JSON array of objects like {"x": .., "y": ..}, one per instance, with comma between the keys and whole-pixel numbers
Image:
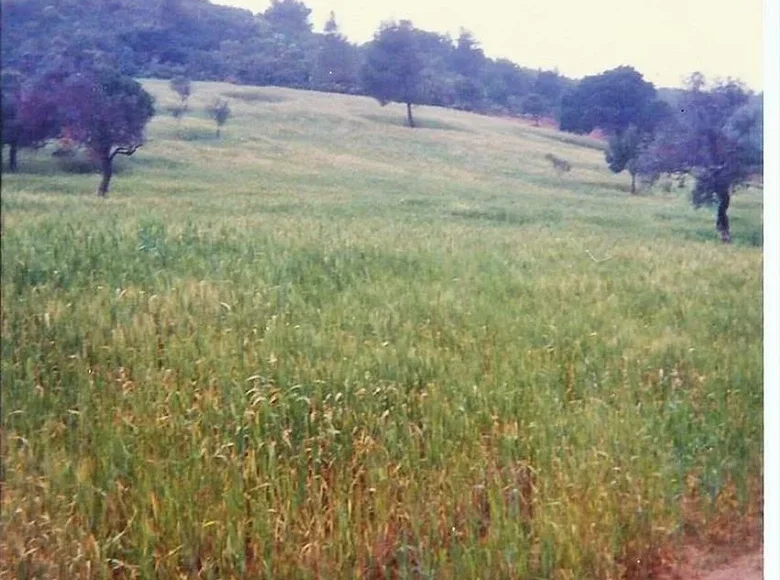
[
  {"x": 12, "y": 157},
  {"x": 633, "y": 182},
  {"x": 217, "y": 131},
  {"x": 106, "y": 169},
  {"x": 722, "y": 222},
  {"x": 409, "y": 115}
]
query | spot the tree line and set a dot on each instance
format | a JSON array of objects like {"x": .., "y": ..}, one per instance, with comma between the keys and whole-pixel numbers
[
  {"x": 203, "y": 41},
  {"x": 68, "y": 73}
]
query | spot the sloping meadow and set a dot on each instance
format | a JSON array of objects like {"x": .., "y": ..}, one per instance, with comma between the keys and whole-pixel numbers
[{"x": 325, "y": 345}]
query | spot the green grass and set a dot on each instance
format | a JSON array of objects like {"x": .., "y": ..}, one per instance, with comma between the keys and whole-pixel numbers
[{"x": 325, "y": 345}]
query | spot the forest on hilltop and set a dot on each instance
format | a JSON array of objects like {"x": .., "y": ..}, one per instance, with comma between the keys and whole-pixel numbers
[{"x": 204, "y": 41}]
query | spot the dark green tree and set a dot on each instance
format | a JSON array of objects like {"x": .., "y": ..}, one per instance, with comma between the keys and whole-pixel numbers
[
  {"x": 468, "y": 61},
  {"x": 392, "y": 71},
  {"x": 289, "y": 17},
  {"x": 611, "y": 101},
  {"x": 337, "y": 66},
  {"x": 623, "y": 153},
  {"x": 506, "y": 85},
  {"x": 29, "y": 114},
  {"x": 717, "y": 136},
  {"x": 535, "y": 107},
  {"x": 437, "y": 80},
  {"x": 550, "y": 85},
  {"x": 106, "y": 112},
  {"x": 621, "y": 103}
]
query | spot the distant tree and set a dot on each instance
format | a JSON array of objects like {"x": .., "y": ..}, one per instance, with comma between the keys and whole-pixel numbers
[
  {"x": 717, "y": 136},
  {"x": 177, "y": 112},
  {"x": 549, "y": 85},
  {"x": 468, "y": 61},
  {"x": 623, "y": 153},
  {"x": 182, "y": 86},
  {"x": 284, "y": 51},
  {"x": 506, "y": 85},
  {"x": 29, "y": 114},
  {"x": 289, "y": 17},
  {"x": 220, "y": 112},
  {"x": 437, "y": 81},
  {"x": 107, "y": 113},
  {"x": 337, "y": 62},
  {"x": 393, "y": 67},
  {"x": 467, "y": 58},
  {"x": 535, "y": 106},
  {"x": 331, "y": 26},
  {"x": 624, "y": 105},
  {"x": 611, "y": 101}
]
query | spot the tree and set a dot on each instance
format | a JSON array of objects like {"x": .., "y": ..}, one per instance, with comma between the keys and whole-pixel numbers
[
  {"x": 468, "y": 61},
  {"x": 535, "y": 106},
  {"x": 288, "y": 17},
  {"x": 624, "y": 105},
  {"x": 506, "y": 85},
  {"x": 107, "y": 113},
  {"x": 393, "y": 67},
  {"x": 611, "y": 101},
  {"x": 336, "y": 67},
  {"x": 716, "y": 136},
  {"x": 29, "y": 114},
  {"x": 549, "y": 85},
  {"x": 182, "y": 86},
  {"x": 623, "y": 153},
  {"x": 220, "y": 112}
]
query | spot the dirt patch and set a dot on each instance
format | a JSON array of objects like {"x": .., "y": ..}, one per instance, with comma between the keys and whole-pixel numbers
[
  {"x": 700, "y": 565},
  {"x": 741, "y": 558},
  {"x": 749, "y": 567}
]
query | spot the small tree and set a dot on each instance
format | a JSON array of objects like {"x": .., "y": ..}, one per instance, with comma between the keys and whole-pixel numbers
[
  {"x": 393, "y": 67},
  {"x": 623, "y": 153},
  {"x": 535, "y": 106},
  {"x": 29, "y": 114},
  {"x": 220, "y": 112},
  {"x": 106, "y": 112},
  {"x": 182, "y": 86},
  {"x": 177, "y": 111}
]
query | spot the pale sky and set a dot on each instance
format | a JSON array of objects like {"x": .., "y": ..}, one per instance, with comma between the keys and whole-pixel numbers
[{"x": 665, "y": 40}]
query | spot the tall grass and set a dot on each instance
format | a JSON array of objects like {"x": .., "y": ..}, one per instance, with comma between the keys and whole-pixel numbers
[{"x": 326, "y": 346}]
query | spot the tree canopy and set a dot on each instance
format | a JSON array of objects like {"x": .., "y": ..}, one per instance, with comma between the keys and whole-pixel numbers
[
  {"x": 29, "y": 114},
  {"x": 717, "y": 136},
  {"x": 393, "y": 66},
  {"x": 610, "y": 101},
  {"x": 203, "y": 41},
  {"x": 106, "y": 112}
]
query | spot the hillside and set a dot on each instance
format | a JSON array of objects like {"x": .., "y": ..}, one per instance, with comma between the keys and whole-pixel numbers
[{"x": 327, "y": 345}]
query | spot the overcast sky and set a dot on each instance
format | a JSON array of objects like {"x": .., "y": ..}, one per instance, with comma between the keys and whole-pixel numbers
[{"x": 663, "y": 39}]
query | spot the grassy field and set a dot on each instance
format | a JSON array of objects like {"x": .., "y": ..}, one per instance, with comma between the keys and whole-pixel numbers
[{"x": 328, "y": 346}]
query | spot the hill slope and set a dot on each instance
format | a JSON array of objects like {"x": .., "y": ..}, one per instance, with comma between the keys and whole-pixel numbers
[{"x": 328, "y": 345}]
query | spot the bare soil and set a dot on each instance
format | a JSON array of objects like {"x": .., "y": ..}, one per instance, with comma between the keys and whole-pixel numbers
[
  {"x": 698, "y": 565},
  {"x": 742, "y": 559}
]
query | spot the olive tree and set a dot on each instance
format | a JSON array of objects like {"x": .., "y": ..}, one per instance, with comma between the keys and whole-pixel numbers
[{"x": 107, "y": 113}]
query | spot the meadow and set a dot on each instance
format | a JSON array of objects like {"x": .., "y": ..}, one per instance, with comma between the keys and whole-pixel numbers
[{"x": 324, "y": 345}]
